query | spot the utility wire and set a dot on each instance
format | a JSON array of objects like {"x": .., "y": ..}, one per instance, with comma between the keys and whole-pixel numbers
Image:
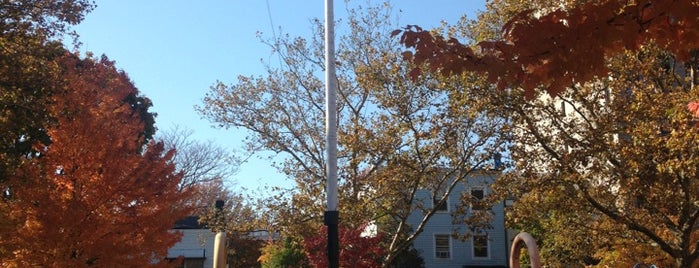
[{"x": 275, "y": 45}]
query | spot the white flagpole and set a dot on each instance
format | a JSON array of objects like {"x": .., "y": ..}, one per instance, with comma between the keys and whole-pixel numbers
[{"x": 331, "y": 216}]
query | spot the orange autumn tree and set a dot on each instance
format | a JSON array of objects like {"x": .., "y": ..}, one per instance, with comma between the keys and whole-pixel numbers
[
  {"x": 98, "y": 195},
  {"x": 556, "y": 49}
]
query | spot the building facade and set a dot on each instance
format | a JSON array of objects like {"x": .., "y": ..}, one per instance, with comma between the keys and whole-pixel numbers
[
  {"x": 196, "y": 247},
  {"x": 438, "y": 245}
]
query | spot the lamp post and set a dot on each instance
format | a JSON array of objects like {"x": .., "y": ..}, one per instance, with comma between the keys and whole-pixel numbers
[
  {"x": 220, "y": 239},
  {"x": 331, "y": 216}
]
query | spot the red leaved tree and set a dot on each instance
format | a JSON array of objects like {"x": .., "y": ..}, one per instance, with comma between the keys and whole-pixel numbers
[
  {"x": 556, "y": 49},
  {"x": 98, "y": 195},
  {"x": 356, "y": 250}
]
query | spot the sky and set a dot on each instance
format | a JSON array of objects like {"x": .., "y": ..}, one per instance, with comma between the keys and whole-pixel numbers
[{"x": 174, "y": 50}]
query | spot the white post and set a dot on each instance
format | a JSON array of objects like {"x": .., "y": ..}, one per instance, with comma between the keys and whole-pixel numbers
[
  {"x": 330, "y": 108},
  {"x": 331, "y": 216},
  {"x": 220, "y": 250},
  {"x": 219, "y": 256}
]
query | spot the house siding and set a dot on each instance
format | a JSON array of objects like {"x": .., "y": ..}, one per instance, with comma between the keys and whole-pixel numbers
[
  {"x": 461, "y": 254},
  {"x": 195, "y": 243}
]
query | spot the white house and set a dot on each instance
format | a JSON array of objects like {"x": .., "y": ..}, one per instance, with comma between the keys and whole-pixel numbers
[{"x": 196, "y": 246}]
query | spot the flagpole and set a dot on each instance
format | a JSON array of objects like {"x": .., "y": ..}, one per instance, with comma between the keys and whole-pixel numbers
[{"x": 331, "y": 217}]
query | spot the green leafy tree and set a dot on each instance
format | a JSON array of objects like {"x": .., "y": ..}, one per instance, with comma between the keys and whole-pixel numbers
[
  {"x": 396, "y": 135},
  {"x": 30, "y": 33},
  {"x": 42, "y": 18},
  {"x": 286, "y": 253}
]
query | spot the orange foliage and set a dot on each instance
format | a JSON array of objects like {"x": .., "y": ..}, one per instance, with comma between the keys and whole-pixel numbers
[
  {"x": 562, "y": 47},
  {"x": 96, "y": 196}
]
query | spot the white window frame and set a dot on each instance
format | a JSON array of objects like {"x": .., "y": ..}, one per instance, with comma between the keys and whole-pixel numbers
[
  {"x": 487, "y": 247},
  {"x": 434, "y": 246}
]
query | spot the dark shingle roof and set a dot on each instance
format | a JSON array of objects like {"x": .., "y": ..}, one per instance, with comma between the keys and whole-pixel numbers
[{"x": 190, "y": 222}]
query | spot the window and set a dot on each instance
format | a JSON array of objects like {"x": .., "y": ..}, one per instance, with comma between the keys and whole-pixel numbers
[
  {"x": 442, "y": 249},
  {"x": 439, "y": 207},
  {"x": 477, "y": 195},
  {"x": 480, "y": 246}
]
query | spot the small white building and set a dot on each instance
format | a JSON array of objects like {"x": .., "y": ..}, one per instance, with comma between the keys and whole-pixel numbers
[{"x": 196, "y": 246}]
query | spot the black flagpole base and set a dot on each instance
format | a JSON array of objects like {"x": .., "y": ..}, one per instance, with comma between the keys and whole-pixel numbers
[{"x": 331, "y": 219}]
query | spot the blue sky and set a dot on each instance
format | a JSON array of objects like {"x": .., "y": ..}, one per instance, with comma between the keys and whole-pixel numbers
[{"x": 174, "y": 50}]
